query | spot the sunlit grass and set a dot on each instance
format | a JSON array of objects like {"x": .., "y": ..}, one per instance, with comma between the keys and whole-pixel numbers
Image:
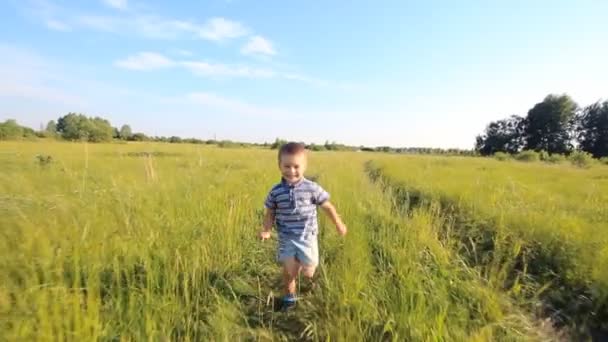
[
  {"x": 107, "y": 242},
  {"x": 549, "y": 222}
]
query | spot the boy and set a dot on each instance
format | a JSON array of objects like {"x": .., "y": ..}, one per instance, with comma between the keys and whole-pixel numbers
[{"x": 292, "y": 205}]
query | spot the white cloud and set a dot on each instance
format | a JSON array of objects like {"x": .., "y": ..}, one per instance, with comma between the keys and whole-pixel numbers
[
  {"x": 99, "y": 23},
  {"x": 57, "y": 25},
  {"x": 152, "y": 60},
  {"x": 146, "y": 24},
  {"x": 143, "y": 25},
  {"x": 219, "y": 29},
  {"x": 145, "y": 61},
  {"x": 306, "y": 79},
  {"x": 158, "y": 28},
  {"x": 155, "y": 27},
  {"x": 117, "y": 4},
  {"x": 226, "y": 70},
  {"x": 183, "y": 52},
  {"x": 258, "y": 45}
]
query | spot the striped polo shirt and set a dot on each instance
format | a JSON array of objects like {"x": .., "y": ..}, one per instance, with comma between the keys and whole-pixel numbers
[{"x": 295, "y": 207}]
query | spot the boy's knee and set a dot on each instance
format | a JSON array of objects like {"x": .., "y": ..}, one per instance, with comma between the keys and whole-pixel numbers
[
  {"x": 292, "y": 273},
  {"x": 308, "y": 271},
  {"x": 291, "y": 267}
]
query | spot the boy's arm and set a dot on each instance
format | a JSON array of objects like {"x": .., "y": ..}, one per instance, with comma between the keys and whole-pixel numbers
[
  {"x": 330, "y": 210},
  {"x": 267, "y": 224},
  {"x": 268, "y": 220}
]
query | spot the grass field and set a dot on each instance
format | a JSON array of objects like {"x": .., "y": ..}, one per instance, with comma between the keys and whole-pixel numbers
[{"x": 147, "y": 241}]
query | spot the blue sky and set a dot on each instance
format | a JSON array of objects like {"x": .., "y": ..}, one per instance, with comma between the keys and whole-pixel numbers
[{"x": 399, "y": 73}]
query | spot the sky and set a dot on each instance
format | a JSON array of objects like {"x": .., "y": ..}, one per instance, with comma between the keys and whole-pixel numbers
[{"x": 374, "y": 73}]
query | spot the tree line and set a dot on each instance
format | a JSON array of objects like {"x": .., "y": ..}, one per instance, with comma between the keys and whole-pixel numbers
[
  {"x": 557, "y": 125},
  {"x": 79, "y": 127}
]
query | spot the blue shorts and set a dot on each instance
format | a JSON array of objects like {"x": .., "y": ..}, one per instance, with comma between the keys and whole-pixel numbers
[{"x": 305, "y": 251}]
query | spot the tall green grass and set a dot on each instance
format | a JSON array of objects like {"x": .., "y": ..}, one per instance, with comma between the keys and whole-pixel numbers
[
  {"x": 547, "y": 226},
  {"x": 149, "y": 241}
]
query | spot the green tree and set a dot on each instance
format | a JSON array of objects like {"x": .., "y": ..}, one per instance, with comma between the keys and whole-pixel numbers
[
  {"x": 71, "y": 126},
  {"x": 79, "y": 127},
  {"x": 99, "y": 130},
  {"x": 138, "y": 137},
  {"x": 315, "y": 147},
  {"x": 593, "y": 129},
  {"x": 51, "y": 128},
  {"x": 505, "y": 135},
  {"x": 550, "y": 123},
  {"x": 278, "y": 143},
  {"x": 9, "y": 129},
  {"x": 125, "y": 132}
]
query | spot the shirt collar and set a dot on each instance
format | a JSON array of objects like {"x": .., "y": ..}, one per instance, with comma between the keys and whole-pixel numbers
[{"x": 295, "y": 185}]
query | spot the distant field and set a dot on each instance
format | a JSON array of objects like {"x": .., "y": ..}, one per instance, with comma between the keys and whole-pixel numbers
[{"x": 145, "y": 241}]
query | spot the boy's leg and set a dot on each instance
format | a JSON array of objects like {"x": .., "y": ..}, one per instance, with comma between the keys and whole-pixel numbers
[
  {"x": 308, "y": 270},
  {"x": 307, "y": 253},
  {"x": 291, "y": 268}
]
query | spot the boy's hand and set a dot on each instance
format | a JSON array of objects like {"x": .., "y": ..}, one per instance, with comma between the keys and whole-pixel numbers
[
  {"x": 341, "y": 228},
  {"x": 264, "y": 235}
]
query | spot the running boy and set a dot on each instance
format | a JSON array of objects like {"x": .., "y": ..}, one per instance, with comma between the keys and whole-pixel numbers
[{"x": 292, "y": 205}]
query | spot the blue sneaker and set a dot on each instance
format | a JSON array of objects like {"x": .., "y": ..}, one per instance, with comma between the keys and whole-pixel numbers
[{"x": 289, "y": 302}]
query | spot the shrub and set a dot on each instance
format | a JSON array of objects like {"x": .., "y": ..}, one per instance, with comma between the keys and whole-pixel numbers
[
  {"x": 556, "y": 158},
  {"x": 527, "y": 156},
  {"x": 228, "y": 144},
  {"x": 502, "y": 156},
  {"x": 581, "y": 159},
  {"x": 604, "y": 160},
  {"x": 314, "y": 147}
]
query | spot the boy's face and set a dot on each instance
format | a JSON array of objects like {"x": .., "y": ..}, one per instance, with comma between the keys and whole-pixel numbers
[{"x": 292, "y": 167}]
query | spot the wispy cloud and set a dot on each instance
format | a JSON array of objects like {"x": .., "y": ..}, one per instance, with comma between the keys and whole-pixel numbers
[
  {"x": 99, "y": 23},
  {"x": 57, "y": 25},
  {"x": 182, "y": 52},
  {"x": 132, "y": 21},
  {"x": 38, "y": 92},
  {"x": 219, "y": 70},
  {"x": 29, "y": 76},
  {"x": 154, "y": 27},
  {"x": 306, "y": 79},
  {"x": 117, "y": 4},
  {"x": 48, "y": 14},
  {"x": 136, "y": 22},
  {"x": 238, "y": 107},
  {"x": 151, "y": 60},
  {"x": 219, "y": 29},
  {"x": 145, "y": 61},
  {"x": 226, "y": 70},
  {"x": 258, "y": 45}
]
